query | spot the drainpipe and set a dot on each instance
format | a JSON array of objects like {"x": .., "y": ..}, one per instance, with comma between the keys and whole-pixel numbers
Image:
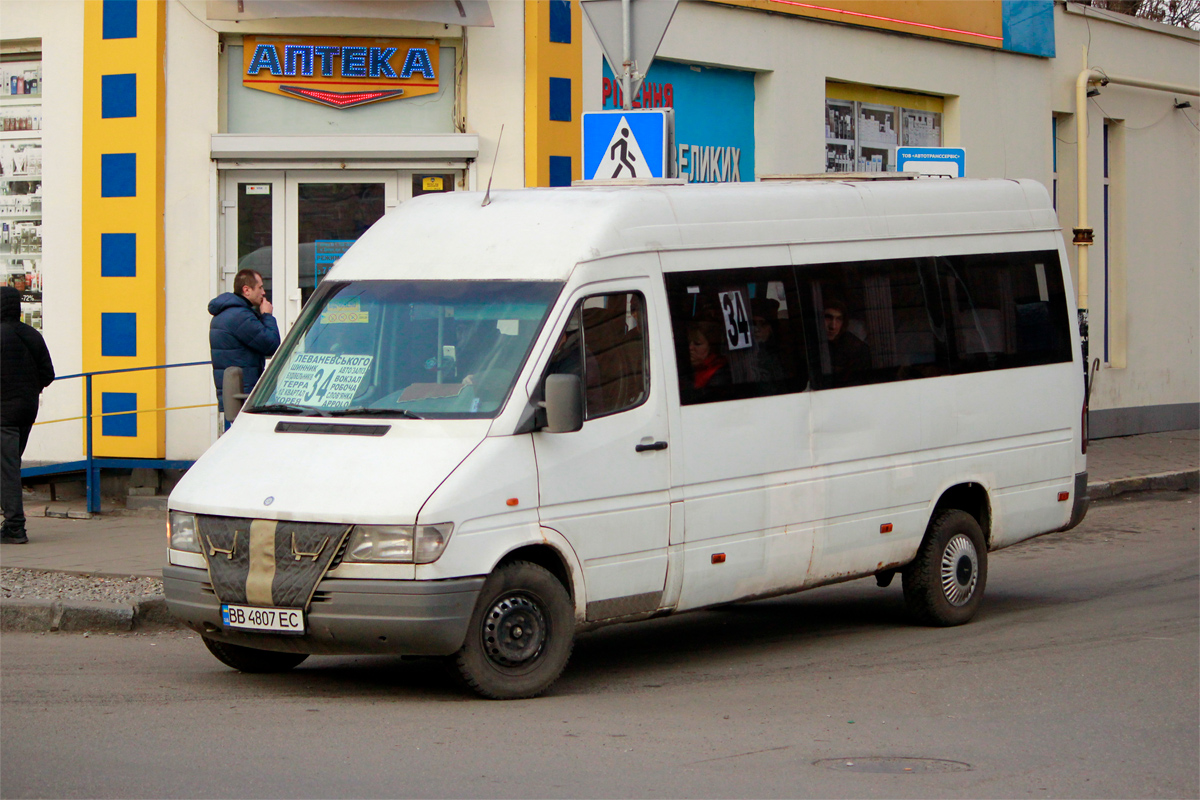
[{"x": 1084, "y": 234}]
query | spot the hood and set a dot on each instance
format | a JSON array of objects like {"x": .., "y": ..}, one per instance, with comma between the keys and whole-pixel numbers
[
  {"x": 10, "y": 304},
  {"x": 227, "y": 300},
  {"x": 253, "y": 471}
]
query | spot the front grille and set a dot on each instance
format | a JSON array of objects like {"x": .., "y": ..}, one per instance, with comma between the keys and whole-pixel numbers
[{"x": 341, "y": 553}]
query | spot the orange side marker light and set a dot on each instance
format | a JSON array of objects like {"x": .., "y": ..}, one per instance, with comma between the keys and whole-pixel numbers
[
  {"x": 885, "y": 527},
  {"x": 718, "y": 558},
  {"x": 512, "y": 501}
]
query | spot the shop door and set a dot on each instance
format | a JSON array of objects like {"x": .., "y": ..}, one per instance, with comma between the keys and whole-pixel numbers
[{"x": 292, "y": 226}]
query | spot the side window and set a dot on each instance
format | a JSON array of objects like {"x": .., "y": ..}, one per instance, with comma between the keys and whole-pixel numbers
[
  {"x": 604, "y": 343},
  {"x": 1005, "y": 310},
  {"x": 875, "y": 322},
  {"x": 737, "y": 333}
]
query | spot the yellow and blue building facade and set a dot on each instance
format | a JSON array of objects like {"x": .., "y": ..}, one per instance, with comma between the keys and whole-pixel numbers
[
  {"x": 122, "y": 271},
  {"x": 135, "y": 226}
]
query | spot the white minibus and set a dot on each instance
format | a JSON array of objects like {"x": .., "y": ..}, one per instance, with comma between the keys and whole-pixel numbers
[{"x": 497, "y": 424}]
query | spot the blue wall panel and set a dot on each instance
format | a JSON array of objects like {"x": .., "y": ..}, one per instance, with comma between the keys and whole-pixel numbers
[
  {"x": 120, "y": 19},
  {"x": 560, "y": 170},
  {"x": 118, "y": 334},
  {"x": 560, "y": 99},
  {"x": 1029, "y": 27},
  {"x": 118, "y": 175},
  {"x": 560, "y": 21},
  {"x": 121, "y": 424},
  {"x": 118, "y": 96},
  {"x": 118, "y": 255}
]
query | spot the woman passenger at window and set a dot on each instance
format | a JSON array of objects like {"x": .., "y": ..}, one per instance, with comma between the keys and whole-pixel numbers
[{"x": 709, "y": 367}]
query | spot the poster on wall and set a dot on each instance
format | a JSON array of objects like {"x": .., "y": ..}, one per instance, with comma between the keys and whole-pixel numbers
[
  {"x": 714, "y": 116},
  {"x": 863, "y": 137},
  {"x": 21, "y": 185}
]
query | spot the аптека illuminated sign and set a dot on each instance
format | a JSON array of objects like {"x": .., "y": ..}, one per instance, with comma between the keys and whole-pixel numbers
[{"x": 338, "y": 72}]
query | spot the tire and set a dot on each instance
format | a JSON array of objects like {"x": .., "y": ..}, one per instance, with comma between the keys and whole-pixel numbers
[
  {"x": 944, "y": 585},
  {"x": 247, "y": 659},
  {"x": 520, "y": 635}
]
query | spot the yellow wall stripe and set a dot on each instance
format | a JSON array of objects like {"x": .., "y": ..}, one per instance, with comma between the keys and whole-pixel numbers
[
  {"x": 545, "y": 59},
  {"x": 115, "y": 306}
]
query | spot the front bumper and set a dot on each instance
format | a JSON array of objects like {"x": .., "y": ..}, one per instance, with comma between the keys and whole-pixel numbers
[{"x": 420, "y": 618}]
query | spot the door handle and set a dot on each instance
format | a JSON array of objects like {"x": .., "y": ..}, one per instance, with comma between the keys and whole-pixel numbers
[{"x": 641, "y": 448}]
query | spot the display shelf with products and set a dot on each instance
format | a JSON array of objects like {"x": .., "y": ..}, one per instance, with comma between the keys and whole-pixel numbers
[
  {"x": 21, "y": 184},
  {"x": 21, "y": 78}
]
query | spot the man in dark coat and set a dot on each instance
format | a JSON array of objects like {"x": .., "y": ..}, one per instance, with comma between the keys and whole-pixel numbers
[
  {"x": 25, "y": 369},
  {"x": 243, "y": 332}
]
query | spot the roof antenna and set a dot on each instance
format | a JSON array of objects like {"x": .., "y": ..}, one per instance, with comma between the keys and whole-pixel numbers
[{"x": 487, "y": 196}]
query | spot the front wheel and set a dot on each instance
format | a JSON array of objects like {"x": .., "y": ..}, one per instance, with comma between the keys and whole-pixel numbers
[
  {"x": 247, "y": 659},
  {"x": 943, "y": 586},
  {"x": 521, "y": 633}
]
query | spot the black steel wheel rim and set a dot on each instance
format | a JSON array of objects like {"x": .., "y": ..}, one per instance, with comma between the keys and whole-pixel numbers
[{"x": 514, "y": 630}]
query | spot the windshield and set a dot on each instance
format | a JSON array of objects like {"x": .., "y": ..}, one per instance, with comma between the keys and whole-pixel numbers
[{"x": 406, "y": 349}]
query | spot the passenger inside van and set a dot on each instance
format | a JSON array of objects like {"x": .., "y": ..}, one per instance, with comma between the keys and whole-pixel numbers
[
  {"x": 768, "y": 365},
  {"x": 849, "y": 356},
  {"x": 709, "y": 367}
]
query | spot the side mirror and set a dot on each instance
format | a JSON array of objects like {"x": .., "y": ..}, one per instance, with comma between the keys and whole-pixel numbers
[
  {"x": 564, "y": 403},
  {"x": 232, "y": 398}
]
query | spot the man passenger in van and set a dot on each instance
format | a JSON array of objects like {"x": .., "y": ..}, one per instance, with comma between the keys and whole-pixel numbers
[
  {"x": 243, "y": 332},
  {"x": 847, "y": 353}
]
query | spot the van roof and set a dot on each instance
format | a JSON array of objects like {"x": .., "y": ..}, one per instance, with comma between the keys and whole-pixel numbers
[{"x": 541, "y": 234}]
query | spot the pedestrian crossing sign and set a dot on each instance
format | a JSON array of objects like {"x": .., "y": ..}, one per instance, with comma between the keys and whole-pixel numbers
[{"x": 625, "y": 144}]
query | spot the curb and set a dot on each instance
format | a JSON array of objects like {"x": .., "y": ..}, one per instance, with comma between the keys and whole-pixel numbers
[
  {"x": 1181, "y": 481},
  {"x": 145, "y": 613}
]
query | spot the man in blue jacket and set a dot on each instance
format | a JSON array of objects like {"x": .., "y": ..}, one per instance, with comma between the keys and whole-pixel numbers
[{"x": 243, "y": 333}]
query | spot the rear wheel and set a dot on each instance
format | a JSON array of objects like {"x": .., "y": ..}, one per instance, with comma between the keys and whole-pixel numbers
[
  {"x": 944, "y": 585},
  {"x": 521, "y": 633},
  {"x": 247, "y": 659}
]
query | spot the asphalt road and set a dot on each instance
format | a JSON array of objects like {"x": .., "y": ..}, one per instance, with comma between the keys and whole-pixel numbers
[{"x": 1079, "y": 678}]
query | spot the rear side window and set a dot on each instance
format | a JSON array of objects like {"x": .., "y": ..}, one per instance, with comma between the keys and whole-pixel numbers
[
  {"x": 737, "y": 333},
  {"x": 874, "y": 322},
  {"x": 1005, "y": 310}
]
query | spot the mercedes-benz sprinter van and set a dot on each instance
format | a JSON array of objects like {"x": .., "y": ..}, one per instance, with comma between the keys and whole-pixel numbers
[{"x": 497, "y": 424}]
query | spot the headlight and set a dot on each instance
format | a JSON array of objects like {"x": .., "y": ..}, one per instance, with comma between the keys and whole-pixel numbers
[
  {"x": 399, "y": 544},
  {"x": 183, "y": 532}
]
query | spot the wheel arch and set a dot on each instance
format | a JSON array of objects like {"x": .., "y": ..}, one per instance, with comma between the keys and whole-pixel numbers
[
  {"x": 971, "y": 497},
  {"x": 555, "y": 555}
]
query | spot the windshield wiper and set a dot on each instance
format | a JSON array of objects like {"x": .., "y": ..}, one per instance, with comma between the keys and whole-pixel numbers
[
  {"x": 288, "y": 408},
  {"x": 363, "y": 411}
]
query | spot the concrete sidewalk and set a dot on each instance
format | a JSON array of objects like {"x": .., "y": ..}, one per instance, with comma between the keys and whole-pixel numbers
[{"x": 136, "y": 545}]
